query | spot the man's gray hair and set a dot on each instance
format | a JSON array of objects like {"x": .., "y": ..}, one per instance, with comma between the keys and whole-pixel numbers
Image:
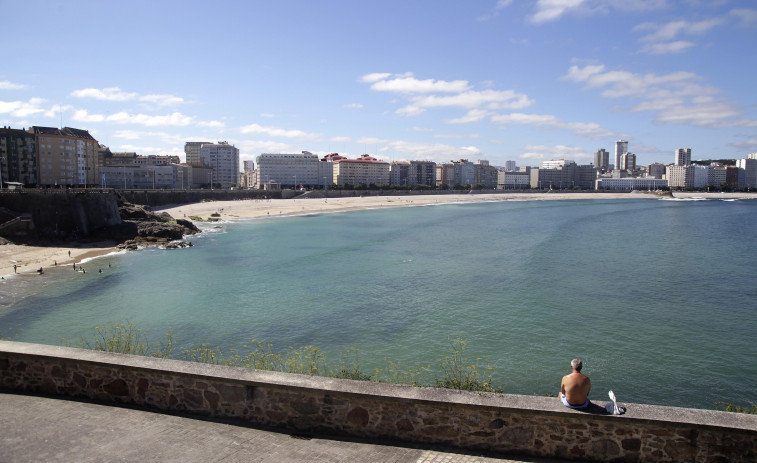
[{"x": 576, "y": 364}]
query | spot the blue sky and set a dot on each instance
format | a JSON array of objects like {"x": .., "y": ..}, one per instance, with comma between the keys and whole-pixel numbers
[{"x": 523, "y": 80}]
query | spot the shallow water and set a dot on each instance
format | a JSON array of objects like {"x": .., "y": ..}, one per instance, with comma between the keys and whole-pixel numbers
[{"x": 657, "y": 297}]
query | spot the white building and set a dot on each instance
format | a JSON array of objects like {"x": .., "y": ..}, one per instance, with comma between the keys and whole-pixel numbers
[
  {"x": 172, "y": 176},
  {"x": 621, "y": 148},
  {"x": 602, "y": 159},
  {"x": 507, "y": 180},
  {"x": 290, "y": 169},
  {"x": 365, "y": 170},
  {"x": 680, "y": 176},
  {"x": 630, "y": 183},
  {"x": 683, "y": 156},
  {"x": 223, "y": 158},
  {"x": 193, "y": 152},
  {"x": 555, "y": 164},
  {"x": 750, "y": 170},
  {"x": 628, "y": 161}
]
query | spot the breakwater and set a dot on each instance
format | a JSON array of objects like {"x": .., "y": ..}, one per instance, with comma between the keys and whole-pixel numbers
[{"x": 536, "y": 426}]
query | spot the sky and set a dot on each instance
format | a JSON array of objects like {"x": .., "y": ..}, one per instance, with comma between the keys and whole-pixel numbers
[{"x": 495, "y": 80}]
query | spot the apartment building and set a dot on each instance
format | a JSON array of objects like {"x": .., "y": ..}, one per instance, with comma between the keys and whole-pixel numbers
[
  {"x": 563, "y": 174},
  {"x": 680, "y": 176},
  {"x": 223, "y": 158},
  {"x": 508, "y": 180},
  {"x": 18, "y": 156},
  {"x": 422, "y": 173},
  {"x": 290, "y": 170},
  {"x": 399, "y": 172},
  {"x": 364, "y": 170},
  {"x": 66, "y": 156},
  {"x": 630, "y": 183},
  {"x": 193, "y": 152}
]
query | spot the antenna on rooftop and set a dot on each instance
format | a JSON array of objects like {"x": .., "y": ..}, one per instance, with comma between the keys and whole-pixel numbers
[{"x": 60, "y": 111}]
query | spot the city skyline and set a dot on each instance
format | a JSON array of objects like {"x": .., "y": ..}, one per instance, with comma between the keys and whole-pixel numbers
[{"x": 500, "y": 80}]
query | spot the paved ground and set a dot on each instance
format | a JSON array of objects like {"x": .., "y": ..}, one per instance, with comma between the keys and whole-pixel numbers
[{"x": 36, "y": 428}]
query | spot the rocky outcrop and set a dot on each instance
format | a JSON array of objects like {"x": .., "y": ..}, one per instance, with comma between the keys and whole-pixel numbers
[
  {"x": 50, "y": 216},
  {"x": 148, "y": 228}
]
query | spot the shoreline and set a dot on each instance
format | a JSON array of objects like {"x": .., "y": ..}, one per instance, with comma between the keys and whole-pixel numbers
[{"x": 30, "y": 258}]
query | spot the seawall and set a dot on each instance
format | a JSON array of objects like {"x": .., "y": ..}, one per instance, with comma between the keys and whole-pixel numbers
[
  {"x": 527, "y": 425},
  {"x": 57, "y": 213}
]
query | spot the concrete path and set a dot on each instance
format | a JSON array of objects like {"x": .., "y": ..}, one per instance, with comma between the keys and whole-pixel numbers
[{"x": 46, "y": 429}]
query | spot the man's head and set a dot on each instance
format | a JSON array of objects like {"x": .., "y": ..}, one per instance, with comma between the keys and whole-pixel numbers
[{"x": 576, "y": 364}]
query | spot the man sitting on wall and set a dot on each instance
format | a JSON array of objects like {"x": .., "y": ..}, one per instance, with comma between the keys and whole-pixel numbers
[{"x": 575, "y": 387}]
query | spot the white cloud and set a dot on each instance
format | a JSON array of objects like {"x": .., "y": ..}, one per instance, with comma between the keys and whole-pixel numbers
[
  {"x": 56, "y": 110},
  {"x": 667, "y": 48},
  {"x": 375, "y": 77},
  {"x": 410, "y": 110},
  {"x": 492, "y": 99},
  {"x": 748, "y": 144},
  {"x": 7, "y": 85},
  {"x": 477, "y": 101},
  {"x": 212, "y": 124},
  {"x": 138, "y": 149},
  {"x": 406, "y": 83},
  {"x": 276, "y": 132},
  {"x": 437, "y": 152},
  {"x": 116, "y": 94},
  {"x": 499, "y": 6},
  {"x": 457, "y": 135},
  {"x": 550, "y": 10},
  {"x": 106, "y": 94},
  {"x": 82, "y": 115},
  {"x": 264, "y": 146},
  {"x": 747, "y": 17},
  {"x": 544, "y": 152},
  {"x": 474, "y": 115},
  {"x": 675, "y": 97},
  {"x": 584, "y": 129},
  {"x": 173, "y": 119},
  {"x": 22, "y": 108},
  {"x": 661, "y": 39},
  {"x": 130, "y": 134},
  {"x": 161, "y": 100},
  {"x": 353, "y": 106},
  {"x": 371, "y": 141}
]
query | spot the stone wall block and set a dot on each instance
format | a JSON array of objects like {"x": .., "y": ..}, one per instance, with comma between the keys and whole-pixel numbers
[
  {"x": 231, "y": 393},
  {"x": 440, "y": 420}
]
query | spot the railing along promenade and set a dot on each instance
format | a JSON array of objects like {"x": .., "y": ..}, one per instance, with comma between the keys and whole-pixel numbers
[{"x": 526, "y": 425}]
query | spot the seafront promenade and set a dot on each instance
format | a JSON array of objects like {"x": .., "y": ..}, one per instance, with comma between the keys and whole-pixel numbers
[{"x": 38, "y": 428}]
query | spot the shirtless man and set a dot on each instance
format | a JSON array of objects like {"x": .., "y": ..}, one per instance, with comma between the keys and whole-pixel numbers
[{"x": 575, "y": 387}]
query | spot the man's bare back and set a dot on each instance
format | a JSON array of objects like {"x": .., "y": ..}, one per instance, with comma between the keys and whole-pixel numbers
[{"x": 575, "y": 386}]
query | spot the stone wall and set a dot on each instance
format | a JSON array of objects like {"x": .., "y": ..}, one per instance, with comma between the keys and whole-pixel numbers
[
  {"x": 536, "y": 426},
  {"x": 62, "y": 213}
]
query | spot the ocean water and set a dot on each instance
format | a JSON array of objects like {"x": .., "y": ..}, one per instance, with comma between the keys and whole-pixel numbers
[{"x": 656, "y": 296}]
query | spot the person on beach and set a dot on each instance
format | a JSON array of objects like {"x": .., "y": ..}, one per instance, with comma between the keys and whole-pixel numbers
[
  {"x": 14, "y": 268},
  {"x": 575, "y": 387}
]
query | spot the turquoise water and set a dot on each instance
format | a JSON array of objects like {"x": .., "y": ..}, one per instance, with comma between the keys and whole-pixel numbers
[{"x": 656, "y": 296}]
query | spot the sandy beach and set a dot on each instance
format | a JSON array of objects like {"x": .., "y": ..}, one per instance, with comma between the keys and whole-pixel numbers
[{"x": 29, "y": 259}]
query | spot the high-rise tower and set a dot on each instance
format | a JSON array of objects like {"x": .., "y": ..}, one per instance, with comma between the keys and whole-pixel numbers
[
  {"x": 601, "y": 159},
  {"x": 683, "y": 156},
  {"x": 621, "y": 148}
]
